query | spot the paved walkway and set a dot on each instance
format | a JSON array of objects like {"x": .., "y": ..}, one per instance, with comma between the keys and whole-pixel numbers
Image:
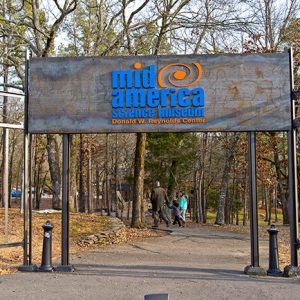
[{"x": 188, "y": 264}]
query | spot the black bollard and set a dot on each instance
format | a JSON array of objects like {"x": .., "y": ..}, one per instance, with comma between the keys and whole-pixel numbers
[
  {"x": 46, "y": 265},
  {"x": 273, "y": 253}
]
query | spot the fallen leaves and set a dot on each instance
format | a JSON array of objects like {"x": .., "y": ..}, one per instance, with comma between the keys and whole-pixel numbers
[{"x": 81, "y": 224}]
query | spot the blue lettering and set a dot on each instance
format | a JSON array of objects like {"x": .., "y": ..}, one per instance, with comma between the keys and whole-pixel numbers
[
  {"x": 181, "y": 100},
  {"x": 173, "y": 97},
  {"x": 121, "y": 79},
  {"x": 149, "y": 77},
  {"x": 191, "y": 112},
  {"x": 198, "y": 99},
  {"x": 183, "y": 112},
  {"x": 199, "y": 112},
  {"x": 131, "y": 113},
  {"x": 163, "y": 97},
  {"x": 151, "y": 113},
  {"x": 118, "y": 98},
  {"x": 178, "y": 112},
  {"x": 153, "y": 96},
  {"x": 114, "y": 113},
  {"x": 137, "y": 78},
  {"x": 122, "y": 113},
  {"x": 138, "y": 113},
  {"x": 135, "y": 98}
]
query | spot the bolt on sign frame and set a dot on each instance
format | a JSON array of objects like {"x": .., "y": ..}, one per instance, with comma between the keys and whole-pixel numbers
[{"x": 179, "y": 93}]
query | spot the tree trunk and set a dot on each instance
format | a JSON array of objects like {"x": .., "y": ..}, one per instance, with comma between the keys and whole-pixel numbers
[
  {"x": 200, "y": 188},
  {"x": 265, "y": 199},
  {"x": 116, "y": 175},
  {"x": 193, "y": 206},
  {"x": 228, "y": 204},
  {"x": 283, "y": 195},
  {"x": 236, "y": 201},
  {"x": 227, "y": 167},
  {"x": 245, "y": 201},
  {"x": 89, "y": 181},
  {"x": 275, "y": 204},
  {"x": 81, "y": 200},
  {"x": 98, "y": 186},
  {"x": 73, "y": 171},
  {"x": 270, "y": 206},
  {"x": 172, "y": 181},
  {"x": 138, "y": 192},
  {"x": 107, "y": 199},
  {"x": 53, "y": 160},
  {"x": 129, "y": 201}
]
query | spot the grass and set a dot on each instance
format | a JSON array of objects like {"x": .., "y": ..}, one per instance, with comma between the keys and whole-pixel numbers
[{"x": 211, "y": 217}]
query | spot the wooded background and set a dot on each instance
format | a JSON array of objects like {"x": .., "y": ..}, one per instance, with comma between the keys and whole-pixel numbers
[{"x": 210, "y": 167}]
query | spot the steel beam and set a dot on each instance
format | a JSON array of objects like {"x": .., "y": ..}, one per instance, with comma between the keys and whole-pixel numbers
[
  {"x": 292, "y": 165},
  {"x": 293, "y": 209},
  {"x": 27, "y": 214},
  {"x": 254, "y": 268},
  {"x": 253, "y": 199},
  {"x": 5, "y": 179},
  {"x": 65, "y": 267}
]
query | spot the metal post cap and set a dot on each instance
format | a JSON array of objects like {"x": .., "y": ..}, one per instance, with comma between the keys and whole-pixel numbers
[
  {"x": 273, "y": 229},
  {"x": 48, "y": 225}
]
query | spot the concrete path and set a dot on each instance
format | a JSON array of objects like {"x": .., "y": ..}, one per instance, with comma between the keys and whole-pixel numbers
[{"x": 197, "y": 263}]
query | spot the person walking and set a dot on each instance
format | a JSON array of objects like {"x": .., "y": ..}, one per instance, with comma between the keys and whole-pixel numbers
[
  {"x": 183, "y": 205},
  {"x": 176, "y": 212},
  {"x": 159, "y": 199}
]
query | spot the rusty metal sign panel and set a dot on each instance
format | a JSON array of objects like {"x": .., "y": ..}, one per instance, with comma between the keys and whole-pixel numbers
[{"x": 238, "y": 92}]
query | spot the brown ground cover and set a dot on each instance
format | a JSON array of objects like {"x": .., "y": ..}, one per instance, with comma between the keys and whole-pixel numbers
[
  {"x": 86, "y": 224},
  {"x": 80, "y": 225}
]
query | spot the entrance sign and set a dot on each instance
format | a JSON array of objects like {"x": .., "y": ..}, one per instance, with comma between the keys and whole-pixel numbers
[{"x": 228, "y": 92}]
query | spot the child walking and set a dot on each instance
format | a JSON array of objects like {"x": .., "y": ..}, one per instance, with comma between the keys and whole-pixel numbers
[{"x": 176, "y": 212}]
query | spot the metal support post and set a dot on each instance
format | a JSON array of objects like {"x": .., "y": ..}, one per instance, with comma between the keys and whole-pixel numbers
[
  {"x": 25, "y": 199},
  {"x": 30, "y": 198},
  {"x": 293, "y": 197},
  {"x": 65, "y": 267},
  {"x": 293, "y": 269},
  {"x": 27, "y": 266},
  {"x": 254, "y": 268},
  {"x": 5, "y": 179},
  {"x": 253, "y": 199}
]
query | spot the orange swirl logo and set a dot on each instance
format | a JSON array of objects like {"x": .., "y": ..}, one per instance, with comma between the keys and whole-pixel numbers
[{"x": 179, "y": 77}]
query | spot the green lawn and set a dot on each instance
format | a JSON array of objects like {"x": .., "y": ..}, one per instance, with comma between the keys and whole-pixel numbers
[{"x": 211, "y": 217}]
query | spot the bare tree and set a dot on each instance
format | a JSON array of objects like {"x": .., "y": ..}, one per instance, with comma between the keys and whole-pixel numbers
[{"x": 230, "y": 150}]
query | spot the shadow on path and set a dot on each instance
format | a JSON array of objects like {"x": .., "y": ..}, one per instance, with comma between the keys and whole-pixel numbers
[{"x": 172, "y": 272}]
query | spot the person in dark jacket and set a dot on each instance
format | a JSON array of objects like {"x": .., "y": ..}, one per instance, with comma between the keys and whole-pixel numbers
[
  {"x": 177, "y": 213},
  {"x": 159, "y": 199}
]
